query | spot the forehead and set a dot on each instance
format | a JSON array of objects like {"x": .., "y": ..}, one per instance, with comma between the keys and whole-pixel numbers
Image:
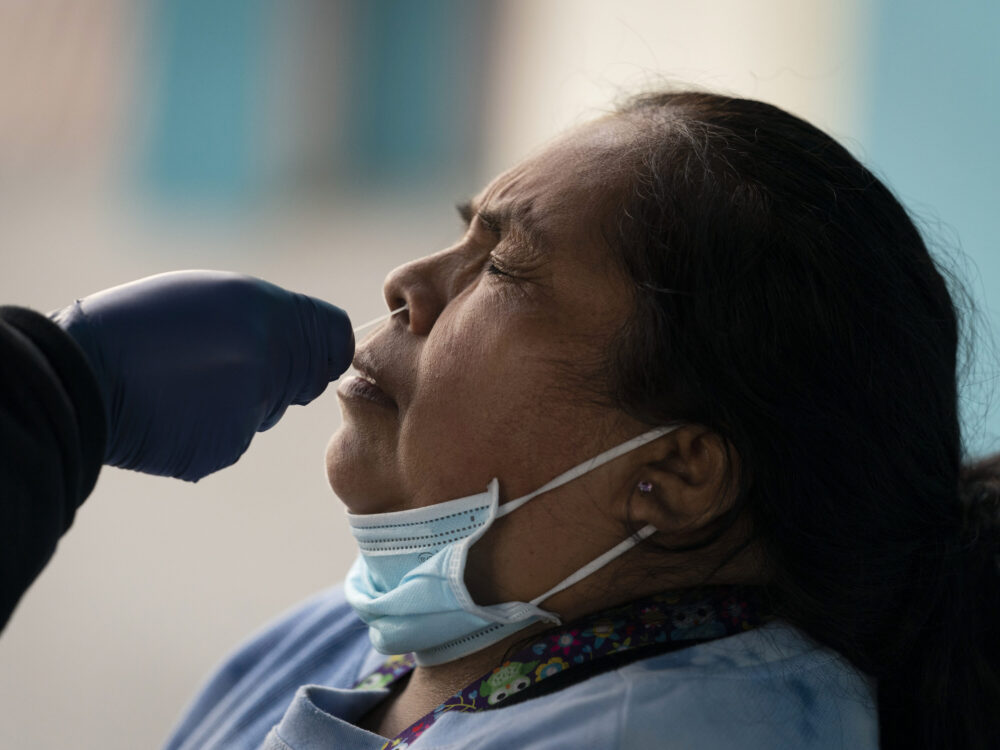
[{"x": 565, "y": 188}]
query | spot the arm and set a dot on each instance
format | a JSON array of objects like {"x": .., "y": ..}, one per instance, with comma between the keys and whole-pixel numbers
[
  {"x": 52, "y": 434},
  {"x": 171, "y": 375}
]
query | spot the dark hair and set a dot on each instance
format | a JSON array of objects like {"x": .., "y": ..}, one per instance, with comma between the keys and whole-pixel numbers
[{"x": 786, "y": 301}]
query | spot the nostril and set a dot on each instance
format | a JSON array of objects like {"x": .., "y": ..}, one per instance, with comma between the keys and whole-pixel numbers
[
  {"x": 398, "y": 304},
  {"x": 413, "y": 291},
  {"x": 403, "y": 313}
]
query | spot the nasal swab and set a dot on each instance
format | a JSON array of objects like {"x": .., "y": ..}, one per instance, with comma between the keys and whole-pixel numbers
[{"x": 379, "y": 319}]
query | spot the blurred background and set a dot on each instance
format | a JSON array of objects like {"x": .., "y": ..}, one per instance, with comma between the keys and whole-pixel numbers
[{"x": 320, "y": 143}]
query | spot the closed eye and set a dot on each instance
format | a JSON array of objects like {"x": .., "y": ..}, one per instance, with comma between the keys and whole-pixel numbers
[{"x": 493, "y": 268}]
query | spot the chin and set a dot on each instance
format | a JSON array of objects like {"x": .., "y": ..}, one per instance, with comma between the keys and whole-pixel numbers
[
  {"x": 355, "y": 475},
  {"x": 338, "y": 470}
]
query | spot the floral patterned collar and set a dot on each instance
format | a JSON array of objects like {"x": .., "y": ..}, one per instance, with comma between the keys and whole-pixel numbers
[{"x": 605, "y": 640}]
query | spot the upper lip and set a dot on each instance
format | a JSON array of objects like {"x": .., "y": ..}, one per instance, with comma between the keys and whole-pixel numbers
[{"x": 368, "y": 369}]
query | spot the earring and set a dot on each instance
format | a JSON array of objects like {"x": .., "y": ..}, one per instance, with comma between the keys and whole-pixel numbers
[{"x": 645, "y": 487}]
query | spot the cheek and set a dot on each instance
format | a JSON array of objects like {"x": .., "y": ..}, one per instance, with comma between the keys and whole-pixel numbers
[
  {"x": 483, "y": 409},
  {"x": 463, "y": 398},
  {"x": 477, "y": 361}
]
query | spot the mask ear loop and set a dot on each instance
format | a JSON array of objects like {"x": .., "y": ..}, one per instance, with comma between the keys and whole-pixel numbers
[
  {"x": 588, "y": 466},
  {"x": 597, "y": 563},
  {"x": 619, "y": 549}
]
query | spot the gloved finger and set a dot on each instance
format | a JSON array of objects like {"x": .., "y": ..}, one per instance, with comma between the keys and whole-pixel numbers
[
  {"x": 339, "y": 336},
  {"x": 330, "y": 346},
  {"x": 273, "y": 418}
]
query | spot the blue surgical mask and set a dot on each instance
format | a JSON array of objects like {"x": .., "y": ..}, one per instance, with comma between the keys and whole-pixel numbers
[{"x": 408, "y": 583}]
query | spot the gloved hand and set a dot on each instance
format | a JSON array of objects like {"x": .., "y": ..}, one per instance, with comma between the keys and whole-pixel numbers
[{"x": 192, "y": 363}]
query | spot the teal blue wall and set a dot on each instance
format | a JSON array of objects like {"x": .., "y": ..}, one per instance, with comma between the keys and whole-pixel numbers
[
  {"x": 413, "y": 107},
  {"x": 203, "y": 77},
  {"x": 408, "y": 111},
  {"x": 934, "y": 134}
]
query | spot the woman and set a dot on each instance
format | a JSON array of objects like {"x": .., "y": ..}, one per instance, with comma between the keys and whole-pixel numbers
[{"x": 776, "y": 546}]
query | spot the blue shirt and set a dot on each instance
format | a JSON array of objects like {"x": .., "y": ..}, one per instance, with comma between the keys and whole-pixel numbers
[{"x": 290, "y": 688}]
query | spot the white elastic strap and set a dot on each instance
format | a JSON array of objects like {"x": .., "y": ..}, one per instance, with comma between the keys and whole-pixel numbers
[
  {"x": 586, "y": 466},
  {"x": 596, "y": 564}
]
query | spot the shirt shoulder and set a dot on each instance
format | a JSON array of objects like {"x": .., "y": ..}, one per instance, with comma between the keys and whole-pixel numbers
[
  {"x": 767, "y": 688},
  {"x": 319, "y": 641},
  {"x": 770, "y": 687}
]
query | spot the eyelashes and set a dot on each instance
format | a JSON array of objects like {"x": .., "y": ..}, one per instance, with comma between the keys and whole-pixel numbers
[{"x": 494, "y": 268}]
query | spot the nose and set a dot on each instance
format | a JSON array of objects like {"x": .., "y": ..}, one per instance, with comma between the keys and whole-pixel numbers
[{"x": 416, "y": 285}]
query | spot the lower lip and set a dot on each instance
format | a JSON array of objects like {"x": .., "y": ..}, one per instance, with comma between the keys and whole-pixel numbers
[{"x": 359, "y": 388}]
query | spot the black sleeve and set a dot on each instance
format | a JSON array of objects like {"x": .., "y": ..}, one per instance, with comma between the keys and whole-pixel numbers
[{"x": 52, "y": 437}]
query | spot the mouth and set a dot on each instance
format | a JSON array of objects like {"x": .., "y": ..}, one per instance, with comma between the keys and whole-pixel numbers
[{"x": 364, "y": 385}]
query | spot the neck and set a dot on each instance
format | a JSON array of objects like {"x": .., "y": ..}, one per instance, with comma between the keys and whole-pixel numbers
[
  {"x": 454, "y": 675},
  {"x": 443, "y": 680},
  {"x": 428, "y": 687}
]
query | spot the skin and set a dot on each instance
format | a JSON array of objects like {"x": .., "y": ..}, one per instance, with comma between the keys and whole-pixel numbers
[{"x": 477, "y": 370}]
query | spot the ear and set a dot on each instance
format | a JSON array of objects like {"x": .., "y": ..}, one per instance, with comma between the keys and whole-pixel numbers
[{"x": 684, "y": 481}]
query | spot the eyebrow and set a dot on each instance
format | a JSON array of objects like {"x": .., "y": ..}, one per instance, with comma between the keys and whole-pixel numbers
[
  {"x": 466, "y": 210},
  {"x": 514, "y": 219}
]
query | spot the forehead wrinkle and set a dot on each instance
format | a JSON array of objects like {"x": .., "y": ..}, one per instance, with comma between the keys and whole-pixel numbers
[
  {"x": 565, "y": 188},
  {"x": 516, "y": 217},
  {"x": 523, "y": 220}
]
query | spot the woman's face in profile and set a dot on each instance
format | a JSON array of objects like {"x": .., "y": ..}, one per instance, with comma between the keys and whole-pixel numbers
[{"x": 491, "y": 371}]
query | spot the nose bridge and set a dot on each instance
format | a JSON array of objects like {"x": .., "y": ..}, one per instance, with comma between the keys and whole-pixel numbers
[{"x": 425, "y": 285}]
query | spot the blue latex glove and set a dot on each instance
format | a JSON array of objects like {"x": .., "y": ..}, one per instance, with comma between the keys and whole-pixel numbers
[{"x": 192, "y": 363}]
